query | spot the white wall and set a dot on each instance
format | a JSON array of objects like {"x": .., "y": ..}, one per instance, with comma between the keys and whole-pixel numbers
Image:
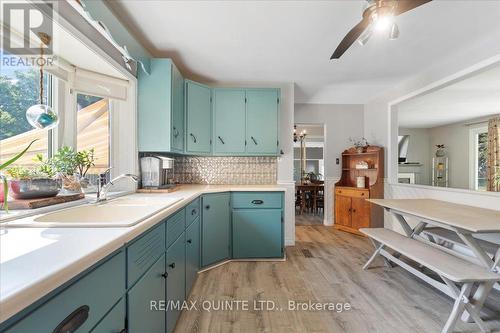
[
  {"x": 341, "y": 122},
  {"x": 380, "y": 123}
]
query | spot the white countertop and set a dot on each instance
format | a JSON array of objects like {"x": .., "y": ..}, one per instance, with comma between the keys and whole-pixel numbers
[{"x": 35, "y": 261}]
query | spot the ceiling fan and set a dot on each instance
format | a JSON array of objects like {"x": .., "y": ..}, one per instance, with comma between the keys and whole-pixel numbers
[{"x": 378, "y": 15}]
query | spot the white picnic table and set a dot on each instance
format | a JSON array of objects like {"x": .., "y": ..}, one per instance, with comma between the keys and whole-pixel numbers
[{"x": 465, "y": 221}]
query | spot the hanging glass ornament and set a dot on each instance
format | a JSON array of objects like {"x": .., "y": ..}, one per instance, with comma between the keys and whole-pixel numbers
[{"x": 42, "y": 116}]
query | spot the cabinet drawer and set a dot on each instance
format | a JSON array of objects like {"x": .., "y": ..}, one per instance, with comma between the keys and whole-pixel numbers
[
  {"x": 192, "y": 211},
  {"x": 142, "y": 253},
  {"x": 93, "y": 295},
  {"x": 257, "y": 200},
  {"x": 175, "y": 226},
  {"x": 351, "y": 192}
]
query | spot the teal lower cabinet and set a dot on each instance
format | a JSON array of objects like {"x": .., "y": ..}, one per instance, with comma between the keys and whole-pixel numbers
[
  {"x": 144, "y": 311},
  {"x": 257, "y": 218},
  {"x": 176, "y": 280},
  {"x": 257, "y": 226},
  {"x": 216, "y": 229},
  {"x": 114, "y": 322},
  {"x": 192, "y": 254},
  {"x": 79, "y": 307},
  {"x": 142, "y": 287}
]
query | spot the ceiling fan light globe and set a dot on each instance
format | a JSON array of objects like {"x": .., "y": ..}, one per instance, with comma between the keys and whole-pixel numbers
[
  {"x": 383, "y": 23},
  {"x": 394, "y": 32}
]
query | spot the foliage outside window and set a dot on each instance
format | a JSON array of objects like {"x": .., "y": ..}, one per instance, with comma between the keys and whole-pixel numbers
[{"x": 19, "y": 89}]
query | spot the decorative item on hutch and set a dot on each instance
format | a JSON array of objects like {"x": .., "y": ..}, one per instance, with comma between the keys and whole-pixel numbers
[
  {"x": 360, "y": 144},
  {"x": 357, "y": 184}
]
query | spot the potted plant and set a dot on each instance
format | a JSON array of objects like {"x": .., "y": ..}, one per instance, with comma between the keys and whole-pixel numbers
[
  {"x": 85, "y": 160},
  {"x": 30, "y": 183},
  {"x": 440, "y": 150},
  {"x": 70, "y": 166},
  {"x": 5, "y": 193}
]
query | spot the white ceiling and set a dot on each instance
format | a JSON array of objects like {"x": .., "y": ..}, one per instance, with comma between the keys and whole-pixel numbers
[
  {"x": 292, "y": 41},
  {"x": 471, "y": 98}
]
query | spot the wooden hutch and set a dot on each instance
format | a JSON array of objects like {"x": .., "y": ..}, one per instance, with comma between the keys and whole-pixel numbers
[{"x": 352, "y": 211}]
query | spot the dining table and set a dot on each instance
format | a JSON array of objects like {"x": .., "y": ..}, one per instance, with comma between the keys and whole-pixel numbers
[
  {"x": 467, "y": 222},
  {"x": 314, "y": 189}
]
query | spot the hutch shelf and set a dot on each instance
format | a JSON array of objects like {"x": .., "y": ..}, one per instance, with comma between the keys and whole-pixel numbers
[{"x": 352, "y": 211}]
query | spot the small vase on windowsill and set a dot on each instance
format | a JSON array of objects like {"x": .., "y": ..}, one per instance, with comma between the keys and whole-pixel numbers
[{"x": 71, "y": 184}]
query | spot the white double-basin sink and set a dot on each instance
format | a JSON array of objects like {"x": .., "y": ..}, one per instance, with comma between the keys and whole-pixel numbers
[{"x": 120, "y": 212}]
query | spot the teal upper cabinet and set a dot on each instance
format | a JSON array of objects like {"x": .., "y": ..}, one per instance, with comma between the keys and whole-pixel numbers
[
  {"x": 262, "y": 121},
  {"x": 229, "y": 121},
  {"x": 161, "y": 108},
  {"x": 177, "y": 111},
  {"x": 198, "y": 118}
]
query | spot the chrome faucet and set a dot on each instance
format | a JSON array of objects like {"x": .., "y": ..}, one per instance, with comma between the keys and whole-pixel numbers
[{"x": 103, "y": 186}]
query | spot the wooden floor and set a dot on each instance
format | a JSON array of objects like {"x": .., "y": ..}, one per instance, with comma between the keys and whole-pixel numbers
[
  {"x": 323, "y": 266},
  {"x": 308, "y": 219}
]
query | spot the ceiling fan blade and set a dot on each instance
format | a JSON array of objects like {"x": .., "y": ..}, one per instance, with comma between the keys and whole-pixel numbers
[
  {"x": 406, "y": 5},
  {"x": 350, "y": 38}
]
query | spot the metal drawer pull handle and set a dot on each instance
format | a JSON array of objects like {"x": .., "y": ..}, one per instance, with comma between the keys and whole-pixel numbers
[
  {"x": 172, "y": 265},
  {"x": 257, "y": 202},
  {"x": 176, "y": 132},
  {"x": 221, "y": 140},
  {"x": 75, "y": 319},
  {"x": 193, "y": 212},
  {"x": 253, "y": 139},
  {"x": 189, "y": 241},
  {"x": 194, "y": 138},
  {"x": 164, "y": 275}
]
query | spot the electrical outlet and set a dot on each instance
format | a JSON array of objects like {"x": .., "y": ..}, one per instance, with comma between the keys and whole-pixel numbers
[{"x": 337, "y": 161}]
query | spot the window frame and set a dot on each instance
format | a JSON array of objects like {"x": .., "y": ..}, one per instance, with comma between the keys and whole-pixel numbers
[{"x": 474, "y": 132}]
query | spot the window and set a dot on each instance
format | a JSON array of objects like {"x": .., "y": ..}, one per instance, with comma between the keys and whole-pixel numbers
[
  {"x": 479, "y": 153},
  {"x": 93, "y": 129},
  {"x": 20, "y": 89}
]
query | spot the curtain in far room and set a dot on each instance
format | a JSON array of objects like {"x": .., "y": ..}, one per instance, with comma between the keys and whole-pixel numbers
[{"x": 494, "y": 154}]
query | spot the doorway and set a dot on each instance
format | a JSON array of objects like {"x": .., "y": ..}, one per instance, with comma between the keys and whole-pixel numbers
[{"x": 309, "y": 173}]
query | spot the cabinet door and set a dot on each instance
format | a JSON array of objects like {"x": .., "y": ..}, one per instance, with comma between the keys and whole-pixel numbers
[
  {"x": 229, "y": 121},
  {"x": 192, "y": 254},
  {"x": 215, "y": 228},
  {"x": 262, "y": 121},
  {"x": 151, "y": 287},
  {"x": 257, "y": 233},
  {"x": 154, "y": 94},
  {"x": 114, "y": 321},
  {"x": 198, "y": 118},
  {"x": 343, "y": 210},
  {"x": 176, "y": 290},
  {"x": 177, "y": 111},
  {"x": 360, "y": 213}
]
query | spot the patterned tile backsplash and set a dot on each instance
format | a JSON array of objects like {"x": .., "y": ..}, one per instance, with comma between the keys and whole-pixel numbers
[{"x": 225, "y": 170}]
